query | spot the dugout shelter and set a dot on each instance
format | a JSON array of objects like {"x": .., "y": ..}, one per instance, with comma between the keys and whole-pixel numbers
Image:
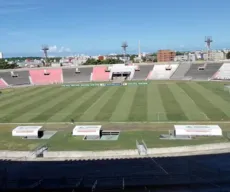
[
  {"x": 197, "y": 130},
  {"x": 87, "y": 130},
  {"x": 27, "y": 131}
]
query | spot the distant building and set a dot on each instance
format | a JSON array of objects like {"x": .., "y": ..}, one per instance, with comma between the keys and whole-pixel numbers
[
  {"x": 165, "y": 55},
  {"x": 181, "y": 58},
  {"x": 1, "y": 55},
  {"x": 137, "y": 59},
  {"x": 185, "y": 57},
  {"x": 214, "y": 55},
  {"x": 101, "y": 58},
  {"x": 198, "y": 55},
  {"x": 111, "y": 57}
]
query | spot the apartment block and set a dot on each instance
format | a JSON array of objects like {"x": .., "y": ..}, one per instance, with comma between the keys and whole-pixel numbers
[{"x": 165, "y": 55}]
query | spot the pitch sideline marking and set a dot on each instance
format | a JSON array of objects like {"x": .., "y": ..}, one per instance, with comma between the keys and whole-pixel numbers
[{"x": 136, "y": 122}]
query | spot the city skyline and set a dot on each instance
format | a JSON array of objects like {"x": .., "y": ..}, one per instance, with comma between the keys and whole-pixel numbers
[{"x": 99, "y": 27}]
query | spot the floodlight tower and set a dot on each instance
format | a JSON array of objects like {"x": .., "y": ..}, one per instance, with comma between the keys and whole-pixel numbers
[
  {"x": 45, "y": 49},
  {"x": 124, "y": 47},
  {"x": 208, "y": 41}
]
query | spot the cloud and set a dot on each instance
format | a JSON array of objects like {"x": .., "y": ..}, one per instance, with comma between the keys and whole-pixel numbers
[
  {"x": 64, "y": 49},
  {"x": 55, "y": 49}
]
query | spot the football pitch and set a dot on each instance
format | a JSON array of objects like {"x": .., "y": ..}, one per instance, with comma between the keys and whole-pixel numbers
[{"x": 159, "y": 101}]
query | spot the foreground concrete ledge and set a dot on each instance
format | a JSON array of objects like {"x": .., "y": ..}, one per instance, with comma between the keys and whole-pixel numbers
[{"x": 118, "y": 154}]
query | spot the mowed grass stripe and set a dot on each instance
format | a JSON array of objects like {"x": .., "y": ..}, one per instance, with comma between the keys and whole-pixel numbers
[
  {"x": 16, "y": 104},
  {"x": 155, "y": 109},
  {"x": 96, "y": 108},
  {"x": 206, "y": 106},
  {"x": 171, "y": 105},
  {"x": 15, "y": 93},
  {"x": 215, "y": 99},
  {"x": 138, "y": 111},
  {"x": 80, "y": 110},
  {"x": 67, "y": 102},
  {"x": 67, "y": 113},
  {"x": 55, "y": 105},
  {"x": 21, "y": 98},
  {"x": 32, "y": 104},
  {"x": 108, "y": 108},
  {"x": 122, "y": 110},
  {"x": 217, "y": 88},
  {"x": 189, "y": 107}
]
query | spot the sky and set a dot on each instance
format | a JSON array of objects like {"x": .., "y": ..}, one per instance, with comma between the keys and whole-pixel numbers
[{"x": 100, "y": 26}]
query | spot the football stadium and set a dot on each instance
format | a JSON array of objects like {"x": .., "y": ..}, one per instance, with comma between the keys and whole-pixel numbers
[{"x": 142, "y": 127}]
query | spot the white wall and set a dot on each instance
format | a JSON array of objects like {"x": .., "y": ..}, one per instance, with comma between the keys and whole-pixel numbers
[
  {"x": 159, "y": 71},
  {"x": 122, "y": 68},
  {"x": 87, "y": 154},
  {"x": 15, "y": 154},
  {"x": 224, "y": 72},
  {"x": 171, "y": 151}
]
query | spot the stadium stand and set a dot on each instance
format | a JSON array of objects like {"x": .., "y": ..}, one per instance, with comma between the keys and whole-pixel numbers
[
  {"x": 180, "y": 71},
  {"x": 162, "y": 71},
  {"x": 143, "y": 73},
  {"x": 137, "y": 67},
  {"x": 16, "y": 78},
  {"x": 46, "y": 76},
  {"x": 203, "y": 72},
  {"x": 223, "y": 73},
  {"x": 3, "y": 84},
  {"x": 99, "y": 74},
  {"x": 161, "y": 172},
  {"x": 83, "y": 75}
]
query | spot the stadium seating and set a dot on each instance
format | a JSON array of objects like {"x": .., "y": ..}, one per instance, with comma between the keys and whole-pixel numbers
[
  {"x": 3, "y": 84},
  {"x": 70, "y": 75},
  {"x": 162, "y": 71},
  {"x": 181, "y": 71},
  {"x": 201, "y": 72},
  {"x": 16, "y": 77},
  {"x": 46, "y": 76},
  {"x": 223, "y": 73},
  {"x": 99, "y": 74},
  {"x": 135, "y": 171},
  {"x": 143, "y": 73}
]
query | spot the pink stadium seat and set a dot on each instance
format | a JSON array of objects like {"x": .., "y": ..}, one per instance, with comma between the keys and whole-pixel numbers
[
  {"x": 53, "y": 76},
  {"x": 99, "y": 74},
  {"x": 149, "y": 75},
  {"x": 3, "y": 84}
]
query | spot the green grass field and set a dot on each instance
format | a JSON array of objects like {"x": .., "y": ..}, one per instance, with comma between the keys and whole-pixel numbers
[
  {"x": 158, "y": 101},
  {"x": 64, "y": 141},
  {"x": 140, "y": 112}
]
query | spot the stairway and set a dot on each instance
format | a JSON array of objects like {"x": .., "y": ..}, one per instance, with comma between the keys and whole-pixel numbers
[{"x": 181, "y": 71}]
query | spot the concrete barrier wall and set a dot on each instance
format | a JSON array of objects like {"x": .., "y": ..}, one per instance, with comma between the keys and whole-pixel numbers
[
  {"x": 186, "y": 149},
  {"x": 123, "y": 153},
  {"x": 119, "y": 153},
  {"x": 14, "y": 154},
  {"x": 80, "y": 154}
]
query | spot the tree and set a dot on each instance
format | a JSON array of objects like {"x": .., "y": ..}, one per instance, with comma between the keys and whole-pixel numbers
[
  {"x": 101, "y": 62},
  {"x": 179, "y": 53},
  {"x": 228, "y": 55},
  {"x": 5, "y": 65},
  {"x": 132, "y": 57}
]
